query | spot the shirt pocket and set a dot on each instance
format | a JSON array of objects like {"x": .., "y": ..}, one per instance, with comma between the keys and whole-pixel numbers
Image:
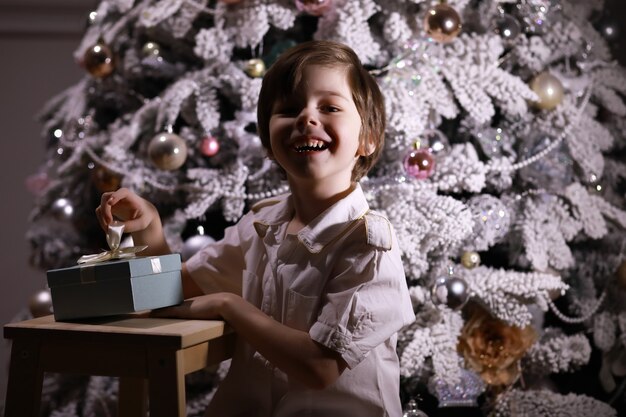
[{"x": 300, "y": 310}]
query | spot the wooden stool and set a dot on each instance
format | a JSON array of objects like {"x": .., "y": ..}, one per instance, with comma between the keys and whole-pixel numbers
[{"x": 149, "y": 355}]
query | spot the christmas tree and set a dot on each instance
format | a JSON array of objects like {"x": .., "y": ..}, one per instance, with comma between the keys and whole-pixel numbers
[{"x": 503, "y": 175}]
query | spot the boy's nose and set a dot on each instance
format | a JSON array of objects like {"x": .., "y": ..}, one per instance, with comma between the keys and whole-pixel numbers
[{"x": 306, "y": 118}]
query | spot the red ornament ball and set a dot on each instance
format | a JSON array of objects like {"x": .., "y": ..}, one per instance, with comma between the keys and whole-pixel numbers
[
  {"x": 314, "y": 7},
  {"x": 419, "y": 163},
  {"x": 209, "y": 146}
]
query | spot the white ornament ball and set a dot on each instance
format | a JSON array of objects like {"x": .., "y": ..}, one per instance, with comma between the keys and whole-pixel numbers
[
  {"x": 549, "y": 90},
  {"x": 167, "y": 151}
]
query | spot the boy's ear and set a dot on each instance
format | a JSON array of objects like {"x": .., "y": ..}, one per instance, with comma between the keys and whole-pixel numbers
[{"x": 367, "y": 148}]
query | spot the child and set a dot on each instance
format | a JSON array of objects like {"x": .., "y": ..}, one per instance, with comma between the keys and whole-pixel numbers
[{"x": 312, "y": 282}]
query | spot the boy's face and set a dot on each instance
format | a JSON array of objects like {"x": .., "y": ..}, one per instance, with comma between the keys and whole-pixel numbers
[{"x": 314, "y": 134}]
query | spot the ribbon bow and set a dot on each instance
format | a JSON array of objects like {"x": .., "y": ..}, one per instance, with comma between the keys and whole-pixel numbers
[{"x": 114, "y": 238}]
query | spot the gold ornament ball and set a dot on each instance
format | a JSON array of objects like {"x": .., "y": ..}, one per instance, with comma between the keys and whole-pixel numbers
[
  {"x": 470, "y": 259},
  {"x": 167, "y": 151},
  {"x": 621, "y": 275},
  {"x": 255, "y": 68},
  {"x": 98, "y": 60},
  {"x": 105, "y": 180},
  {"x": 442, "y": 23},
  {"x": 151, "y": 49},
  {"x": 40, "y": 304},
  {"x": 549, "y": 90}
]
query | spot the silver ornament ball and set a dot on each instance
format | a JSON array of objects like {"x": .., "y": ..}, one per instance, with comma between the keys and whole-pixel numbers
[
  {"x": 62, "y": 209},
  {"x": 450, "y": 291},
  {"x": 411, "y": 410},
  {"x": 507, "y": 27},
  {"x": 194, "y": 244},
  {"x": 167, "y": 151}
]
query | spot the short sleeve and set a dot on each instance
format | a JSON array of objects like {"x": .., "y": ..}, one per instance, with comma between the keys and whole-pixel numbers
[
  {"x": 365, "y": 303},
  {"x": 218, "y": 266}
]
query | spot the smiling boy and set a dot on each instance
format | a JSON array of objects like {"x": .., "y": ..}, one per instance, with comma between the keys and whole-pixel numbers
[{"x": 312, "y": 281}]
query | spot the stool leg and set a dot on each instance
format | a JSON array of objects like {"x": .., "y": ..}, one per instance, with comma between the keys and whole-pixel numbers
[
  {"x": 25, "y": 379},
  {"x": 133, "y": 393},
  {"x": 166, "y": 383}
]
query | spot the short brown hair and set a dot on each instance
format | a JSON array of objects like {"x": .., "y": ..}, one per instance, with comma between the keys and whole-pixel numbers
[{"x": 284, "y": 76}]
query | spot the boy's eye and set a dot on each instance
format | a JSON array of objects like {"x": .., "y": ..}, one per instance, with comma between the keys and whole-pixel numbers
[{"x": 330, "y": 108}]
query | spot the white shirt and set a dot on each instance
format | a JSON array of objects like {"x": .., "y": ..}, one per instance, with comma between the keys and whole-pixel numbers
[{"x": 340, "y": 279}]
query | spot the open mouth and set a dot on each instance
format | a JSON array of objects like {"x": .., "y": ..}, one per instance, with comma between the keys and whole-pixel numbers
[{"x": 311, "y": 146}]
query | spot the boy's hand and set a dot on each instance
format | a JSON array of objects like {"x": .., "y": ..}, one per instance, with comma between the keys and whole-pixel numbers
[
  {"x": 140, "y": 217},
  {"x": 204, "y": 307},
  {"x": 136, "y": 212}
]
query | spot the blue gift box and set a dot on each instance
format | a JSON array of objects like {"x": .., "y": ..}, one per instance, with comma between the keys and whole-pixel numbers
[{"x": 116, "y": 287}]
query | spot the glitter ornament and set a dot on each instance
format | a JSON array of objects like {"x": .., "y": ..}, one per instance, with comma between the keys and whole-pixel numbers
[
  {"x": 194, "y": 244},
  {"x": 411, "y": 410},
  {"x": 491, "y": 221},
  {"x": 40, "y": 303},
  {"x": 535, "y": 14},
  {"x": 255, "y": 68},
  {"x": 105, "y": 180},
  {"x": 494, "y": 142},
  {"x": 552, "y": 172},
  {"x": 419, "y": 163},
  {"x": 621, "y": 275},
  {"x": 450, "y": 291},
  {"x": 436, "y": 140},
  {"x": 62, "y": 209},
  {"x": 209, "y": 146},
  {"x": 470, "y": 259},
  {"x": 314, "y": 7},
  {"x": 465, "y": 393},
  {"x": 98, "y": 60},
  {"x": 442, "y": 23},
  {"x": 151, "y": 49},
  {"x": 549, "y": 90},
  {"x": 167, "y": 151},
  {"x": 507, "y": 27}
]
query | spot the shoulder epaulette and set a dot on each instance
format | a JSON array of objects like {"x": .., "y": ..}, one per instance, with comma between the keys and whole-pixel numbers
[
  {"x": 256, "y": 207},
  {"x": 378, "y": 230}
]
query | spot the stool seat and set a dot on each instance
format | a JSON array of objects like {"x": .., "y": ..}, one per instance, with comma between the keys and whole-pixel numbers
[{"x": 151, "y": 357}]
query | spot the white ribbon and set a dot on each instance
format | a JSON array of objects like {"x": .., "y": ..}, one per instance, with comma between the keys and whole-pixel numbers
[{"x": 114, "y": 238}]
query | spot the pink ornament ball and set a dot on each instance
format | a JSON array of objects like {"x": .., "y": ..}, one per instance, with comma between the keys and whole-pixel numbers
[
  {"x": 314, "y": 7},
  {"x": 419, "y": 163},
  {"x": 209, "y": 146}
]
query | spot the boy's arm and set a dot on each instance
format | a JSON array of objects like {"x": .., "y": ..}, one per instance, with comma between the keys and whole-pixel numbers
[
  {"x": 293, "y": 351},
  {"x": 190, "y": 288}
]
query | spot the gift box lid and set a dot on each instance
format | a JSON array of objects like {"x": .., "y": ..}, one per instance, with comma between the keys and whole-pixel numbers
[{"x": 121, "y": 268}]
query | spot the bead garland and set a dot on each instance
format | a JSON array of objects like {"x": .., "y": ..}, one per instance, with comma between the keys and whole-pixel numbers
[
  {"x": 553, "y": 145},
  {"x": 244, "y": 196},
  {"x": 577, "y": 320}
]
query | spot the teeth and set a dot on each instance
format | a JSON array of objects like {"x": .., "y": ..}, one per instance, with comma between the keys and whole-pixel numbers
[{"x": 311, "y": 145}]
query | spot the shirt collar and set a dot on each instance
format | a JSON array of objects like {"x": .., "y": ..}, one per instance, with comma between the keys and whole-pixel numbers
[{"x": 325, "y": 227}]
